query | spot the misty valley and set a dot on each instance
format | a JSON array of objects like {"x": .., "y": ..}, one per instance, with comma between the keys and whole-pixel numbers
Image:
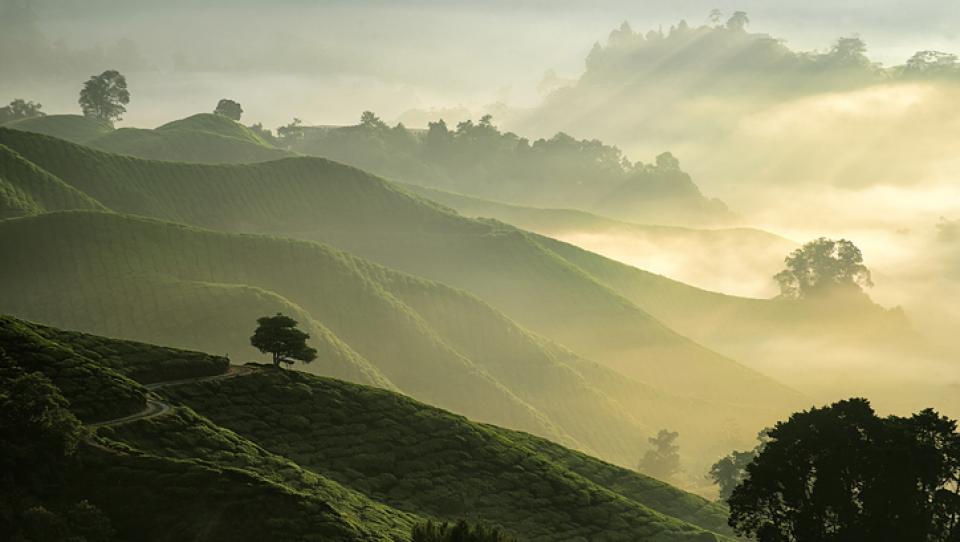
[{"x": 304, "y": 274}]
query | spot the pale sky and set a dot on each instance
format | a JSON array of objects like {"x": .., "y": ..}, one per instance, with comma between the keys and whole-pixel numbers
[{"x": 327, "y": 61}]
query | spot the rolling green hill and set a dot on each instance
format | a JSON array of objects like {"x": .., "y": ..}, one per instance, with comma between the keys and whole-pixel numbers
[
  {"x": 202, "y": 138},
  {"x": 282, "y": 455},
  {"x": 202, "y": 289},
  {"x": 320, "y": 200},
  {"x": 25, "y": 189},
  {"x": 316, "y": 199},
  {"x": 76, "y": 128}
]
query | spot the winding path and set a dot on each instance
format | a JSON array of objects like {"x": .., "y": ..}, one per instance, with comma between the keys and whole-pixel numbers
[{"x": 155, "y": 407}]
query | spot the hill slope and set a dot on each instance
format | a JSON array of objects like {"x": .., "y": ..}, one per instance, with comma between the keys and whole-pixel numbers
[
  {"x": 75, "y": 128},
  {"x": 202, "y": 138},
  {"x": 316, "y": 199},
  {"x": 25, "y": 189},
  {"x": 282, "y": 455},
  {"x": 160, "y": 282},
  {"x": 716, "y": 259}
]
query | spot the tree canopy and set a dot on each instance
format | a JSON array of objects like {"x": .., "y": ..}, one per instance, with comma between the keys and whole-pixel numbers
[
  {"x": 229, "y": 109},
  {"x": 821, "y": 267},
  {"x": 20, "y": 109},
  {"x": 104, "y": 96},
  {"x": 278, "y": 335},
  {"x": 841, "y": 473}
]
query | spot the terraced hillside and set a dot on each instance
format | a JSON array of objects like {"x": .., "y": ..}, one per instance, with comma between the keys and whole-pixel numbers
[
  {"x": 283, "y": 455},
  {"x": 315, "y": 199},
  {"x": 158, "y": 282},
  {"x": 25, "y": 189},
  {"x": 202, "y": 138}
]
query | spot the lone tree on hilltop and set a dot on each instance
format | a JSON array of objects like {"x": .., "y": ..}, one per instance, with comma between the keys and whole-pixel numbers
[
  {"x": 104, "y": 96},
  {"x": 823, "y": 266},
  {"x": 278, "y": 335},
  {"x": 230, "y": 109},
  {"x": 841, "y": 473}
]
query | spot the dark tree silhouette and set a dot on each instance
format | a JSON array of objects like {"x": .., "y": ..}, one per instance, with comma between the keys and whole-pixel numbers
[
  {"x": 738, "y": 21},
  {"x": 730, "y": 470},
  {"x": 821, "y": 267},
  {"x": 104, "y": 96},
  {"x": 278, "y": 335},
  {"x": 291, "y": 133},
  {"x": 20, "y": 109},
  {"x": 663, "y": 459},
  {"x": 841, "y": 473},
  {"x": 229, "y": 109}
]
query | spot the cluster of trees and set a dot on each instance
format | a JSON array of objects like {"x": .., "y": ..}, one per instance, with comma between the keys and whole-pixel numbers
[
  {"x": 728, "y": 50},
  {"x": 20, "y": 109},
  {"x": 842, "y": 473},
  {"x": 40, "y": 437},
  {"x": 823, "y": 267},
  {"x": 471, "y": 155},
  {"x": 459, "y": 532}
]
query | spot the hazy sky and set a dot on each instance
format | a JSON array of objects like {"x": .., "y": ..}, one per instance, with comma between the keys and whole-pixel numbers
[{"x": 326, "y": 61}]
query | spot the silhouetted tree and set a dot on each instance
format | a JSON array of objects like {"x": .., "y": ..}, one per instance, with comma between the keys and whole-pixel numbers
[
  {"x": 291, "y": 133},
  {"x": 20, "y": 109},
  {"x": 278, "y": 335},
  {"x": 663, "y": 459},
  {"x": 730, "y": 471},
  {"x": 667, "y": 161},
  {"x": 738, "y": 21},
  {"x": 369, "y": 120},
  {"x": 265, "y": 133},
  {"x": 823, "y": 266},
  {"x": 229, "y": 109},
  {"x": 104, "y": 96},
  {"x": 841, "y": 473}
]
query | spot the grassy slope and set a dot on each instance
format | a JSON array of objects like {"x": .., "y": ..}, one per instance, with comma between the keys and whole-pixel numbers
[
  {"x": 76, "y": 128},
  {"x": 202, "y": 138},
  {"x": 317, "y": 199},
  {"x": 26, "y": 189},
  {"x": 437, "y": 344},
  {"x": 189, "y": 478},
  {"x": 421, "y": 459},
  {"x": 289, "y": 456},
  {"x": 95, "y": 390}
]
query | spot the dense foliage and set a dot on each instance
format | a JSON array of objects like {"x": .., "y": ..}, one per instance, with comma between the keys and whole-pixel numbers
[
  {"x": 823, "y": 267},
  {"x": 278, "y": 336},
  {"x": 230, "y": 109},
  {"x": 841, "y": 473},
  {"x": 477, "y": 158},
  {"x": 20, "y": 109},
  {"x": 105, "y": 96}
]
